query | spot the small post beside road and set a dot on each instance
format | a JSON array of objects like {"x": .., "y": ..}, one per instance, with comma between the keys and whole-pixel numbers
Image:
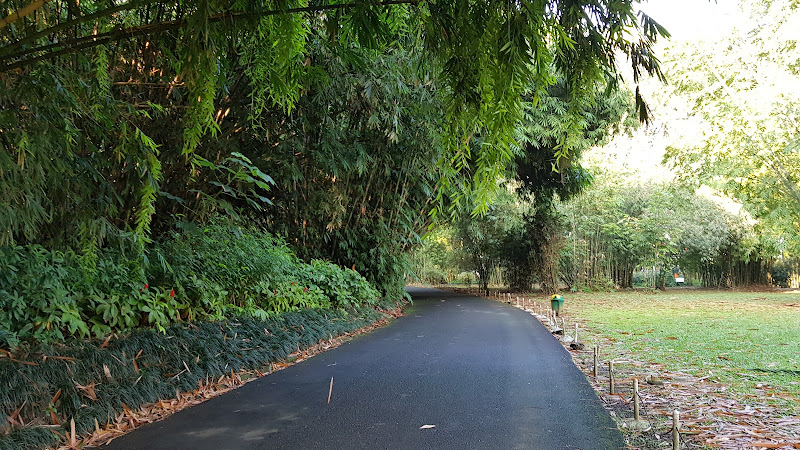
[
  {"x": 595, "y": 354},
  {"x": 611, "y": 378},
  {"x": 636, "y": 400},
  {"x": 676, "y": 434}
]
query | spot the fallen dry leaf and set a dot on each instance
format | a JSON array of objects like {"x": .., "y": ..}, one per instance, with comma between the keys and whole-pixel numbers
[{"x": 88, "y": 390}]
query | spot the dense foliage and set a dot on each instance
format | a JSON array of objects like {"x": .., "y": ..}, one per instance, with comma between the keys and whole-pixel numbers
[
  {"x": 345, "y": 127},
  {"x": 620, "y": 227},
  {"x": 615, "y": 234},
  {"x": 195, "y": 59},
  {"x": 522, "y": 230},
  {"x": 206, "y": 273}
]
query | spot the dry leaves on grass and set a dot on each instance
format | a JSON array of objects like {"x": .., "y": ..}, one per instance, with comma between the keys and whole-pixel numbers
[
  {"x": 128, "y": 419},
  {"x": 710, "y": 416}
]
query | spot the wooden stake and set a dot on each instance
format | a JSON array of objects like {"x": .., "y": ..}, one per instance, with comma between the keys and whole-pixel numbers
[
  {"x": 73, "y": 443},
  {"x": 636, "y": 399},
  {"x": 576, "y": 333},
  {"x": 594, "y": 367},
  {"x": 330, "y": 391},
  {"x": 611, "y": 378},
  {"x": 676, "y": 434}
]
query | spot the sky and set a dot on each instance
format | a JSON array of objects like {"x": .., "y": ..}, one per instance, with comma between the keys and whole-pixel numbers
[{"x": 694, "y": 19}]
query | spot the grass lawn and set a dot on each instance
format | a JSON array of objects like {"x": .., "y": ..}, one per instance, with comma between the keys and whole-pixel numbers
[
  {"x": 749, "y": 341},
  {"x": 729, "y": 361}
]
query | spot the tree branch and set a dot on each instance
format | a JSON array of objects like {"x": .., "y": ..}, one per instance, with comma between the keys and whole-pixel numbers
[
  {"x": 83, "y": 42},
  {"x": 66, "y": 25}
]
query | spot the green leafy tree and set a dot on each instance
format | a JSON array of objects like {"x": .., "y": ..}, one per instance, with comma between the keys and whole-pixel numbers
[
  {"x": 744, "y": 89},
  {"x": 546, "y": 178},
  {"x": 153, "y": 64},
  {"x": 484, "y": 238}
]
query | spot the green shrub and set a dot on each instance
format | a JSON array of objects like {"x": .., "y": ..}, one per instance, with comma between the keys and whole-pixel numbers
[
  {"x": 466, "y": 278},
  {"x": 48, "y": 295},
  {"x": 201, "y": 273},
  {"x": 234, "y": 259},
  {"x": 343, "y": 287},
  {"x": 433, "y": 275},
  {"x": 781, "y": 273}
]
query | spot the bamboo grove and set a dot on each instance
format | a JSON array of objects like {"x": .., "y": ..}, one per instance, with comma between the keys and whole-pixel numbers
[{"x": 347, "y": 128}]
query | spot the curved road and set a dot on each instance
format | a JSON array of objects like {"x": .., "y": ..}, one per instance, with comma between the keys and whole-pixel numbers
[{"x": 487, "y": 375}]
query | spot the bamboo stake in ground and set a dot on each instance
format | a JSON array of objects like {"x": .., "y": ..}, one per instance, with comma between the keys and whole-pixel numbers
[
  {"x": 676, "y": 434},
  {"x": 636, "y": 400},
  {"x": 611, "y": 378},
  {"x": 596, "y": 354}
]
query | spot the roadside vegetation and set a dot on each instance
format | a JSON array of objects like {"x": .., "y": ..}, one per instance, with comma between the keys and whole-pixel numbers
[
  {"x": 190, "y": 189},
  {"x": 172, "y": 169}
]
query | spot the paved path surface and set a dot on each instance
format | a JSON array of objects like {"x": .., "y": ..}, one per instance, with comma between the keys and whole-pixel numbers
[{"x": 487, "y": 375}]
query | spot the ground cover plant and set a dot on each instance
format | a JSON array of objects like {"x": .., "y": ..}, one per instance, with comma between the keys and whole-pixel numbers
[
  {"x": 730, "y": 360},
  {"x": 47, "y": 386}
]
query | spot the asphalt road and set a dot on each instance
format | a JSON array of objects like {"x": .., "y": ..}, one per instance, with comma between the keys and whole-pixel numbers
[{"x": 487, "y": 375}]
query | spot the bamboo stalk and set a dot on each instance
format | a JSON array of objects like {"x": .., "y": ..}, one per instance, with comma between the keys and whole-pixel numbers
[{"x": 20, "y": 13}]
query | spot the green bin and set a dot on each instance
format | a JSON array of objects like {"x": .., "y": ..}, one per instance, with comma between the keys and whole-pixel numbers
[{"x": 556, "y": 302}]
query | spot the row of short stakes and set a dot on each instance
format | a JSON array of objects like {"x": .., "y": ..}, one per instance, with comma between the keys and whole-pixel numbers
[
  {"x": 676, "y": 439},
  {"x": 544, "y": 313}
]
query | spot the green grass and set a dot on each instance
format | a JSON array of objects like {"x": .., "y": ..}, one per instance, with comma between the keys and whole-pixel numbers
[{"x": 743, "y": 339}]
